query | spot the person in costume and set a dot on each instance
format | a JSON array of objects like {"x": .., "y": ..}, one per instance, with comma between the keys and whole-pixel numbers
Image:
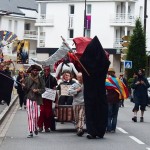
[
  {"x": 34, "y": 86},
  {"x": 63, "y": 87},
  {"x": 140, "y": 86},
  {"x": 46, "y": 118},
  {"x": 116, "y": 90},
  {"x": 96, "y": 63},
  {"x": 78, "y": 104},
  {"x": 65, "y": 65},
  {"x": 6, "y": 86},
  {"x": 123, "y": 79},
  {"x": 20, "y": 79}
]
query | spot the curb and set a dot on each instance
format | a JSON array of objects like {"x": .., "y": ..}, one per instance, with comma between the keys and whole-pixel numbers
[{"x": 7, "y": 109}]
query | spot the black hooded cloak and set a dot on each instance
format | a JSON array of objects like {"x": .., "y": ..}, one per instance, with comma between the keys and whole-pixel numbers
[
  {"x": 96, "y": 62},
  {"x": 6, "y": 86}
]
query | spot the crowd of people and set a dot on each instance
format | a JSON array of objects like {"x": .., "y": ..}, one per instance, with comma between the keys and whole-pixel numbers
[{"x": 69, "y": 90}]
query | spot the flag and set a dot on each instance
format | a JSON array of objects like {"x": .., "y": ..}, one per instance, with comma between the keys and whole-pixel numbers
[
  {"x": 96, "y": 63},
  {"x": 6, "y": 86},
  {"x": 58, "y": 55},
  {"x": 118, "y": 86}
]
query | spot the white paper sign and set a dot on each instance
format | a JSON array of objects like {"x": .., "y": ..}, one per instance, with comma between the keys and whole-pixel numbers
[
  {"x": 49, "y": 94},
  {"x": 64, "y": 90}
]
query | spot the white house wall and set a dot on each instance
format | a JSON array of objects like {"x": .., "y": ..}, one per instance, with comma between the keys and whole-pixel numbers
[
  {"x": 100, "y": 23},
  {"x": 20, "y": 26}
]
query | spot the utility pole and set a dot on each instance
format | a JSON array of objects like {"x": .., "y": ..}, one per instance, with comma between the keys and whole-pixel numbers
[
  {"x": 84, "y": 18},
  {"x": 145, "y": 15}
]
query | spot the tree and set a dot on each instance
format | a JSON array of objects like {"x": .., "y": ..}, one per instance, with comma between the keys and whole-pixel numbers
[{"x": 137, "y": 49}]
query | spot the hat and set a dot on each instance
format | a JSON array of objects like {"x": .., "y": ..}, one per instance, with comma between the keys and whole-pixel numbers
[
  {"x": 111, "y": 70},
  {"x": 21, "y": 70},
  {"x": 32, "y": 67}
]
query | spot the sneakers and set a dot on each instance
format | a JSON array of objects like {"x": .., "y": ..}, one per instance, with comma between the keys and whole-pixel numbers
[
  {"x": 47, "y": 130},
  {"x": 89, "y": 136},
  {"x": 80, "y": 132},
  {"x": 20, "y": 108},
  {"x": 134, "y": 119},
  {"x": 40, "y": 130},
  {"x": 36, "y": 132},
  {"x": 141, "y": 119},
  {"x": 30, "y": 135}
]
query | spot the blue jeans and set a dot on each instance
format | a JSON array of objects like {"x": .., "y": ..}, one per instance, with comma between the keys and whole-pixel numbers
[{"x": 112, "y": 116}]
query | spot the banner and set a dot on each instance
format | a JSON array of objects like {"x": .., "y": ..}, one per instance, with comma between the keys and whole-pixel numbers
[{"x": 23, "y": 52}]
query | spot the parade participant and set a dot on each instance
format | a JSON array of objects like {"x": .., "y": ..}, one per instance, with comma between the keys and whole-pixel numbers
[
  {"x": 78, "y": 104},
  {"x": 140, "y": 86},
  {"x": 6, "y": 86},
  {"x": 20, "y": 79},
  {"x": 46, "y": 117},
  {"x": 116, "y": 90},
  {"x": 123, "y": 79},
  {"x": 63, "y": 87},
  {"x": 96, "y": 63},
  {"x": 65, "y": 65},
  {"x": 34, "y": 86}
]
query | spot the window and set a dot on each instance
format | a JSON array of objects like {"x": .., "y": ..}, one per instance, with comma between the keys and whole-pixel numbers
[
  {"x": 71, "y": 33},
  {"x": 71, "y": 9},
  {"x": 16, "y": 27},
  {"x": 10, "y": 25},
  {"x": 88, "y": 9},
  {"x": 71, "y": 22},
  {"x": 27, "y": 26}
]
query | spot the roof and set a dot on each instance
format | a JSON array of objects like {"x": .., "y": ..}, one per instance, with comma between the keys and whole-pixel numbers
[{"x": 12, "y": 6}]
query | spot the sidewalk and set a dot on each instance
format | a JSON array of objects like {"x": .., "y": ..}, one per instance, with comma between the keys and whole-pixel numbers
[{"x": 4, "y": 109}]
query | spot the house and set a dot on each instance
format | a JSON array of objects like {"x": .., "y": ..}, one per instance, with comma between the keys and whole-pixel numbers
[
  {"x": 110, "y": 20},
  {"x": 19, "y": 17}
]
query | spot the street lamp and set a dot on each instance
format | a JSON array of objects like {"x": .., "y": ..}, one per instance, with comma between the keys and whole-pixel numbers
[{"x": 84, "y": 18}]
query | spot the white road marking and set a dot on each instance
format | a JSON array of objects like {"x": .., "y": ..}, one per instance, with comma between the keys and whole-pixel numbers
[
  {"x": 136, "y": 140},
  {"x": 147, "y": 148},
  {"x": 122, "y": 130}
]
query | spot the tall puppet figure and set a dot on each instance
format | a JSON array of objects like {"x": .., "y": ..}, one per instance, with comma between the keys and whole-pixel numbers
[{"x": 95, "y": 61}]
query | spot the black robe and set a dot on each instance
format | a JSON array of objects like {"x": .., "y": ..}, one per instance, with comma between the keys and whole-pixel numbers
[
  {"x": 95, "y": 61},
  {"x": 6, "y": 86}
]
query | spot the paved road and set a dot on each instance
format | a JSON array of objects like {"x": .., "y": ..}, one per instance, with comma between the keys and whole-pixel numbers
[{"x": 129, "y": 135}]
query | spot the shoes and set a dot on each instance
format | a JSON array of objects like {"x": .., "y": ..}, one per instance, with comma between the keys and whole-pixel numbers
[
  {"x": 141, "y": 119},
  {"x": 40, "y": 130},
  {"x": 80, "y": 132},
  {"x": 30, "y": 135},
  {"x": 134, "y": 119},
  {"x": 1, "y": 103},
  {"x": 113, "y": 131},
  {"x": 25, "y": 107},
  {"x": 89, "y": 136},
  {"x": 47, "y": 130},
  {"x": 20, "y": 108},
  {"x": 36, "y": 132}
]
